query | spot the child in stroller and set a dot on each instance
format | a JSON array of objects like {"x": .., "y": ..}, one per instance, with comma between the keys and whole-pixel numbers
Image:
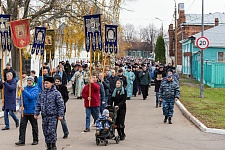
[{"x": 105, "y": 126}]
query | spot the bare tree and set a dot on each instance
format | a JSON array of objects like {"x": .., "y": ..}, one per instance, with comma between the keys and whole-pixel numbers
[
  {"x": 50, "y": 12},
  {"x": 130, "y": 34}
]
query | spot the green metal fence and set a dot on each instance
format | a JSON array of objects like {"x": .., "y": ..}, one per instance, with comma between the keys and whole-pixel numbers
[{"x": 214, "y": 73}]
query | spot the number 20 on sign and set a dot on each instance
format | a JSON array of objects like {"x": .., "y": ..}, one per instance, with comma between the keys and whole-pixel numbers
[{"x": 202, "y": 43}]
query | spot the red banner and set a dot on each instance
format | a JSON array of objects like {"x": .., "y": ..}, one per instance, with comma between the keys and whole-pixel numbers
[{"x": 20, "y": 32}]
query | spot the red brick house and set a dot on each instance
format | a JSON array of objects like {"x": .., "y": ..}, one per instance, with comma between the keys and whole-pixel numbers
[{"x": 188, "y": 25}]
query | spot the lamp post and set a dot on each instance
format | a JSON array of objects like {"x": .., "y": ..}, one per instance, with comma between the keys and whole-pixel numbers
[
  {"x": 175, "y": 15},
  {"x": 162, "y": 24}
]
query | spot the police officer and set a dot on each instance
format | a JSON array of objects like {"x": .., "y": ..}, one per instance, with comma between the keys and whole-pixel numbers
[
  {"x": 51, "y": 106},
  {"x": 169, "y": 92}
]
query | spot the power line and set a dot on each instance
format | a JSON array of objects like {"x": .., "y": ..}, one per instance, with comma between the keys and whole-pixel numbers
[{"x": 191, "y": 5}]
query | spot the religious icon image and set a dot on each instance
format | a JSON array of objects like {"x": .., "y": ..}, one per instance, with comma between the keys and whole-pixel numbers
[
  {"x": 39, "y": 36},
  {"x": 48, "y": 40},
  {"x": 92, "y": 24},
  {"x": 110, "y": 35},
  {"x": 20, "y": 31}
]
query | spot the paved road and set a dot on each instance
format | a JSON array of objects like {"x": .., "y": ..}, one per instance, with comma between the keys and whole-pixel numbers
[{"x": 145, "y": 130}]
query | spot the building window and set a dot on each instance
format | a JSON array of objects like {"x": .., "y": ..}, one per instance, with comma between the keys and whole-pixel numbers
[
  {"x": 129, "y": 53},
  {"x": 133, "y": 53},
  {"x": 145, "y": 54},
  {"x": 220, "y": 56},
  {"x": 138, "y": 54}
]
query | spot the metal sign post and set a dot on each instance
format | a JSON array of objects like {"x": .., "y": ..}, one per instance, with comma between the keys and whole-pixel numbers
[{"x": 202, "y": 43}]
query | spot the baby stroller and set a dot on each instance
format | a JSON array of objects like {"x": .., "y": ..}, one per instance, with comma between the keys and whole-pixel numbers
[{"x": 105, "y": 135}]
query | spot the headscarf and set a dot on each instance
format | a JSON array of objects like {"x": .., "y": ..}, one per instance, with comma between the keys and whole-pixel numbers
[{"x": 121, "y": 89}]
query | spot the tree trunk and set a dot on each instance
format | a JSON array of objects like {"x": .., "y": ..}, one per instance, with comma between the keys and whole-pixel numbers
[{"x": 15, "y": 59}]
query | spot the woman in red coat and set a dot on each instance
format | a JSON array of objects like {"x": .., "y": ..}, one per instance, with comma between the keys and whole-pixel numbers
[{"x": 118, "y": 100}]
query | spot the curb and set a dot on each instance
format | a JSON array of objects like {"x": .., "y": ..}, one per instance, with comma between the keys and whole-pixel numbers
[{"x": 198, "y": 123}]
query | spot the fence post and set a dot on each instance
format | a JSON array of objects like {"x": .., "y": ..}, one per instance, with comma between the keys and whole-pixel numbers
[{"x": 213, "y": 74}]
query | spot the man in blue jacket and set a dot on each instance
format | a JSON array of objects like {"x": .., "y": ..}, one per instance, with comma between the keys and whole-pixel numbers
[
  {"x": 40, "y": 79},
  {"x": 9, "y": 100},
  {"x": 30, "y": 94}
]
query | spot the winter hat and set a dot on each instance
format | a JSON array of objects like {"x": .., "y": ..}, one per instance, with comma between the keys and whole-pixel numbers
[
  {"x": 105, "y": 111},
  {"x": 30, "y": 78},
  {"x": 129, "y": 67},
  {"x": 8, "y": 64},
  {"x": 49, "y": 79}
]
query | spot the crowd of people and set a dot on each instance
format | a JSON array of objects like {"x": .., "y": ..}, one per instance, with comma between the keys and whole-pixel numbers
[{"x": 48, "y": 94}]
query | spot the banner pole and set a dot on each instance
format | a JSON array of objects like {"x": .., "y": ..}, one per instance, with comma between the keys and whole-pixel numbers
[
  {"x": 90, "y": 69},
  {"x": 42, "y": 65},
  {"x": 3, "y": 64},
  {"x": 21, "y": 84},
  {"x": 50, "y": 63}
]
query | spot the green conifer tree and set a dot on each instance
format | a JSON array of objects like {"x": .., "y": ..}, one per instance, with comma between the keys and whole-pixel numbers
[{"x": 160, "y": 50}]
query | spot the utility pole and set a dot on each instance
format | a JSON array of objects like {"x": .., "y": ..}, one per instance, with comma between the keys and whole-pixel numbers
[
  {"x": 202, "y": 57},
  {"x": 175, "y": 13}
]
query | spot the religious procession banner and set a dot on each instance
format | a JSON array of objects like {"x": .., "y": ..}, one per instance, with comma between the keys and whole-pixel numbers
[
  {"x": 39, "y": 41},
  {"x": 5, "y": 32},
  {"x": 111, "y": 38},
  {"x": 93, "y": 32},
  {"x": 50, "y": 44},
  {"x": 20, "y": 33}
]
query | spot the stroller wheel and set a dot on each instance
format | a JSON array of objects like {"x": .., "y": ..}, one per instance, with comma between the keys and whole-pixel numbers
[
  {"x": 117, "y": 139},
  {"x": 106, "y": 142},
  {"x": 97, "y": 141}
]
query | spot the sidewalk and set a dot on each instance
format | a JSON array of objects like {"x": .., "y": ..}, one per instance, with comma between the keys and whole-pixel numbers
[{"x": 145, "y": 130}]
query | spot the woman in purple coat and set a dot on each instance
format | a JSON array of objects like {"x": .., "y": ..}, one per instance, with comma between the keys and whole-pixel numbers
[{"x": 9, "y": 100}]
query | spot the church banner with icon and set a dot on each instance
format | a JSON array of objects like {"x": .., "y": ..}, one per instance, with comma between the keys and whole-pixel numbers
[
  {"x": 93, "y": 32},
  {"x": 5, "y": 32},
  {"x": 111, "y": 39},
  {"x": 39, "y": 41},
  {"x": 50, "y": 44},
  {"x": 20, "y": 32}
]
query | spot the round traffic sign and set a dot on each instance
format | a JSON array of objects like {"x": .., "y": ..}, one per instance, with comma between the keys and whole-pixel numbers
[{"x": 202, "y": 42}]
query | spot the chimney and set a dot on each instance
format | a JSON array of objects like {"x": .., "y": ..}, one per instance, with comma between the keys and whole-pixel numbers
[
  {"x": 181, "y": 13},
  {"x": 216, "y": 21},
  {"x": 171, "y": 39}
]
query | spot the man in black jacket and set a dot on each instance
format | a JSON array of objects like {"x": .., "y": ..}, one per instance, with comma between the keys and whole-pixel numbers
[
  {"x": 9, "y": 69},
  {"x": 136, "y": 80},
  {"x": 67, "y": 68},
  {"x": 64, "y": 92},
  {"x": 112, "y": 81},
  {"x": 159, "y": 75},
  {"x": 123, "y": 78},
  {"x": 145, "y": 81}
]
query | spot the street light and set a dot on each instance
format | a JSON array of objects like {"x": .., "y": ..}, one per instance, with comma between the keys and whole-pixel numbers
[
  {"x": 162, "y": 24},
  {"x": 175, "y": 15}
]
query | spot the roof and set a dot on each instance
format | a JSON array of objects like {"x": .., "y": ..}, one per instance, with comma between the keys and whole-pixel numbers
[
  {"x": 209, "y": 19},
  {"x": 142, "y": 46},
  {"x": 215, "y": 36}
]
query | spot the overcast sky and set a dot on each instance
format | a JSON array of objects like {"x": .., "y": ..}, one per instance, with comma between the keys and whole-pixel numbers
[{"x": 143, "y": 12}]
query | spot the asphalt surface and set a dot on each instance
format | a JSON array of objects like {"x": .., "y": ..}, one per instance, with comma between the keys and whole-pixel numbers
[{"x": 145, "y": 130}]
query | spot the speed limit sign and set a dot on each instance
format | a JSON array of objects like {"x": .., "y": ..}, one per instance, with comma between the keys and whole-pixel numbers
[{"x": 202, "y": 42}]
